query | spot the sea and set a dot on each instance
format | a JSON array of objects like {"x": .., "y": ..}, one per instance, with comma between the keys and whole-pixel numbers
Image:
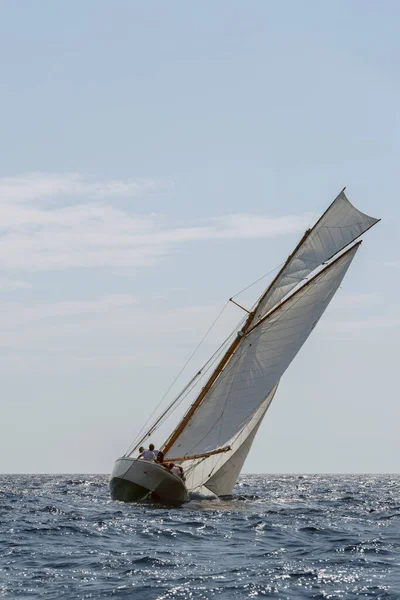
[{"x": 286, "y": 537}]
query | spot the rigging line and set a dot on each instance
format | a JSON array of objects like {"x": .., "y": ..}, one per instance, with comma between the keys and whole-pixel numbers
[
  {"x": 197, "y": 464},
  {"x": 167, "y": 413},
  {"x": 219, "y": 421},
  {"x": 270, "y": 290},
  {"x": 187, "y": 362},
  {"x": 159, "y": 420},
  {"x": 309, "y": 279},
  {"x": 327, "y": 209},
  {"x": 227, "y": 369},
  {"x": 217, "y": 466},
  {"x": 183, "y": 368},
  {"x": 203, "y": 392},
  {"x": 181, "y": 396},
  {"x": 318, "y": 210},
  {"x": 214, "y": 377},
  {"x": 197, "y": 347},
  {"x": 201, "y": 395},
  {"x": 313, "y": 217},
  {"x": 257, "y": 280},
  {"x": 269, "y": 325},
  {"x": 227, "y": 397},
  {"x": 282, "y": 263},
  {"x": 208, "y": 365},
  {"x": 296, "y": 296}
]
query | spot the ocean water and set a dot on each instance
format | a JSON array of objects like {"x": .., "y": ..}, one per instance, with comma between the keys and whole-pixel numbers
[{"x": 282, "y": 537}]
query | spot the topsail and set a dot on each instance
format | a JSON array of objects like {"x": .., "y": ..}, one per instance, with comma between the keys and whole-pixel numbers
[{"x": 338, "y": 227}]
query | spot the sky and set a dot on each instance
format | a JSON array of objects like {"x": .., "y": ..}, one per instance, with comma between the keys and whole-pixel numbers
[{"x": 157, "y": 158}]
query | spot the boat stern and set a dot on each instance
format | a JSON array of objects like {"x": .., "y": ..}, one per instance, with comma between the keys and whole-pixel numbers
[{"x": 133, "y": 480}]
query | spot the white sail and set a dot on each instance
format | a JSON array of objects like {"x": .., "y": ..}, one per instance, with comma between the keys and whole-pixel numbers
[
  {"x": 258, "y": 363},
  {"x": 222, "y": 470},
  {"x": 340, "y": 225}
]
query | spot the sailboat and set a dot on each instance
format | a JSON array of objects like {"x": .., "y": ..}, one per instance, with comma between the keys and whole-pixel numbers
[{"x": 213, "y": 438}]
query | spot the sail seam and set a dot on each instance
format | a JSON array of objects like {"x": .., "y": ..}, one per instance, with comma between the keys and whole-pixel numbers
[{"x": 285, "y": 300}]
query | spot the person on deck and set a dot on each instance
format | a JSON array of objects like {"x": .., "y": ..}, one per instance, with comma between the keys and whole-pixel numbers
[
  {"x": 152, "y": 449},
  {"x": 148, "y": 454},
  {"x": 141, "y": 450},
  {"x": 160, "y": 457},
  {"x": 175, "y": 470}
]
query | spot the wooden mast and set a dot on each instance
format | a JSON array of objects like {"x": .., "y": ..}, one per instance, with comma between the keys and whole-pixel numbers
[
  {"x": 192, "y": 409},
  {"x": 289, "y": 258}
]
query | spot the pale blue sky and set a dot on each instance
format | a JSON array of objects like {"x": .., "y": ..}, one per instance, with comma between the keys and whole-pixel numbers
[{"x": 156, "y": 158}]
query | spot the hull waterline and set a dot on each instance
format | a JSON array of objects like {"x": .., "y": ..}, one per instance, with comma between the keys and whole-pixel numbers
[{"x": 133, "y": 480}]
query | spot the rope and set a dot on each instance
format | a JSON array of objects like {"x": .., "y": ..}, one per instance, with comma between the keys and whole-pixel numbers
[
  {"x": 134, "y": 444},
  {"x": 257, "y": 280},
  {"x": 184, "y": 393}
]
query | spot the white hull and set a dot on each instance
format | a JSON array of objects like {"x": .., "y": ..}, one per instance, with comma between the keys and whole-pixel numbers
[{"x": 133, "y": 479}]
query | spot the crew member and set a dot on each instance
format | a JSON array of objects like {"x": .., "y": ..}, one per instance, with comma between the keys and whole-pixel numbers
[
  {"x": 160, "y": 457},
  {"x": 175, "y": 470},
  {"x": 148, "y": 454},
  {"x": 155, "y": 452}
]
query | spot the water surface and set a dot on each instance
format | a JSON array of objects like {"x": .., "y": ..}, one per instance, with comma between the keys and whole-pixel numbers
[{"x": 285, "y": 537}]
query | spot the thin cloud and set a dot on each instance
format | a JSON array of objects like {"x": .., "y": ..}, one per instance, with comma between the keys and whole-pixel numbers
[
  {"x": 118, "y": 325},
  {"x": 369, "y": 324},
  {"x": 372, "y": 328},
  {"x": 391, "y": 263},
  {"x": 354, "y": 317},
  {"x": 42, "y": 186},
  {"x": 13, "y": 284},
  {"x": 362, "y": 300},
  {"x": 90, "y": 230}
]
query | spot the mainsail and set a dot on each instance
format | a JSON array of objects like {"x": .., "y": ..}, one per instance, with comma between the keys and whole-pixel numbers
[{"x": 259, "y": 362}]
